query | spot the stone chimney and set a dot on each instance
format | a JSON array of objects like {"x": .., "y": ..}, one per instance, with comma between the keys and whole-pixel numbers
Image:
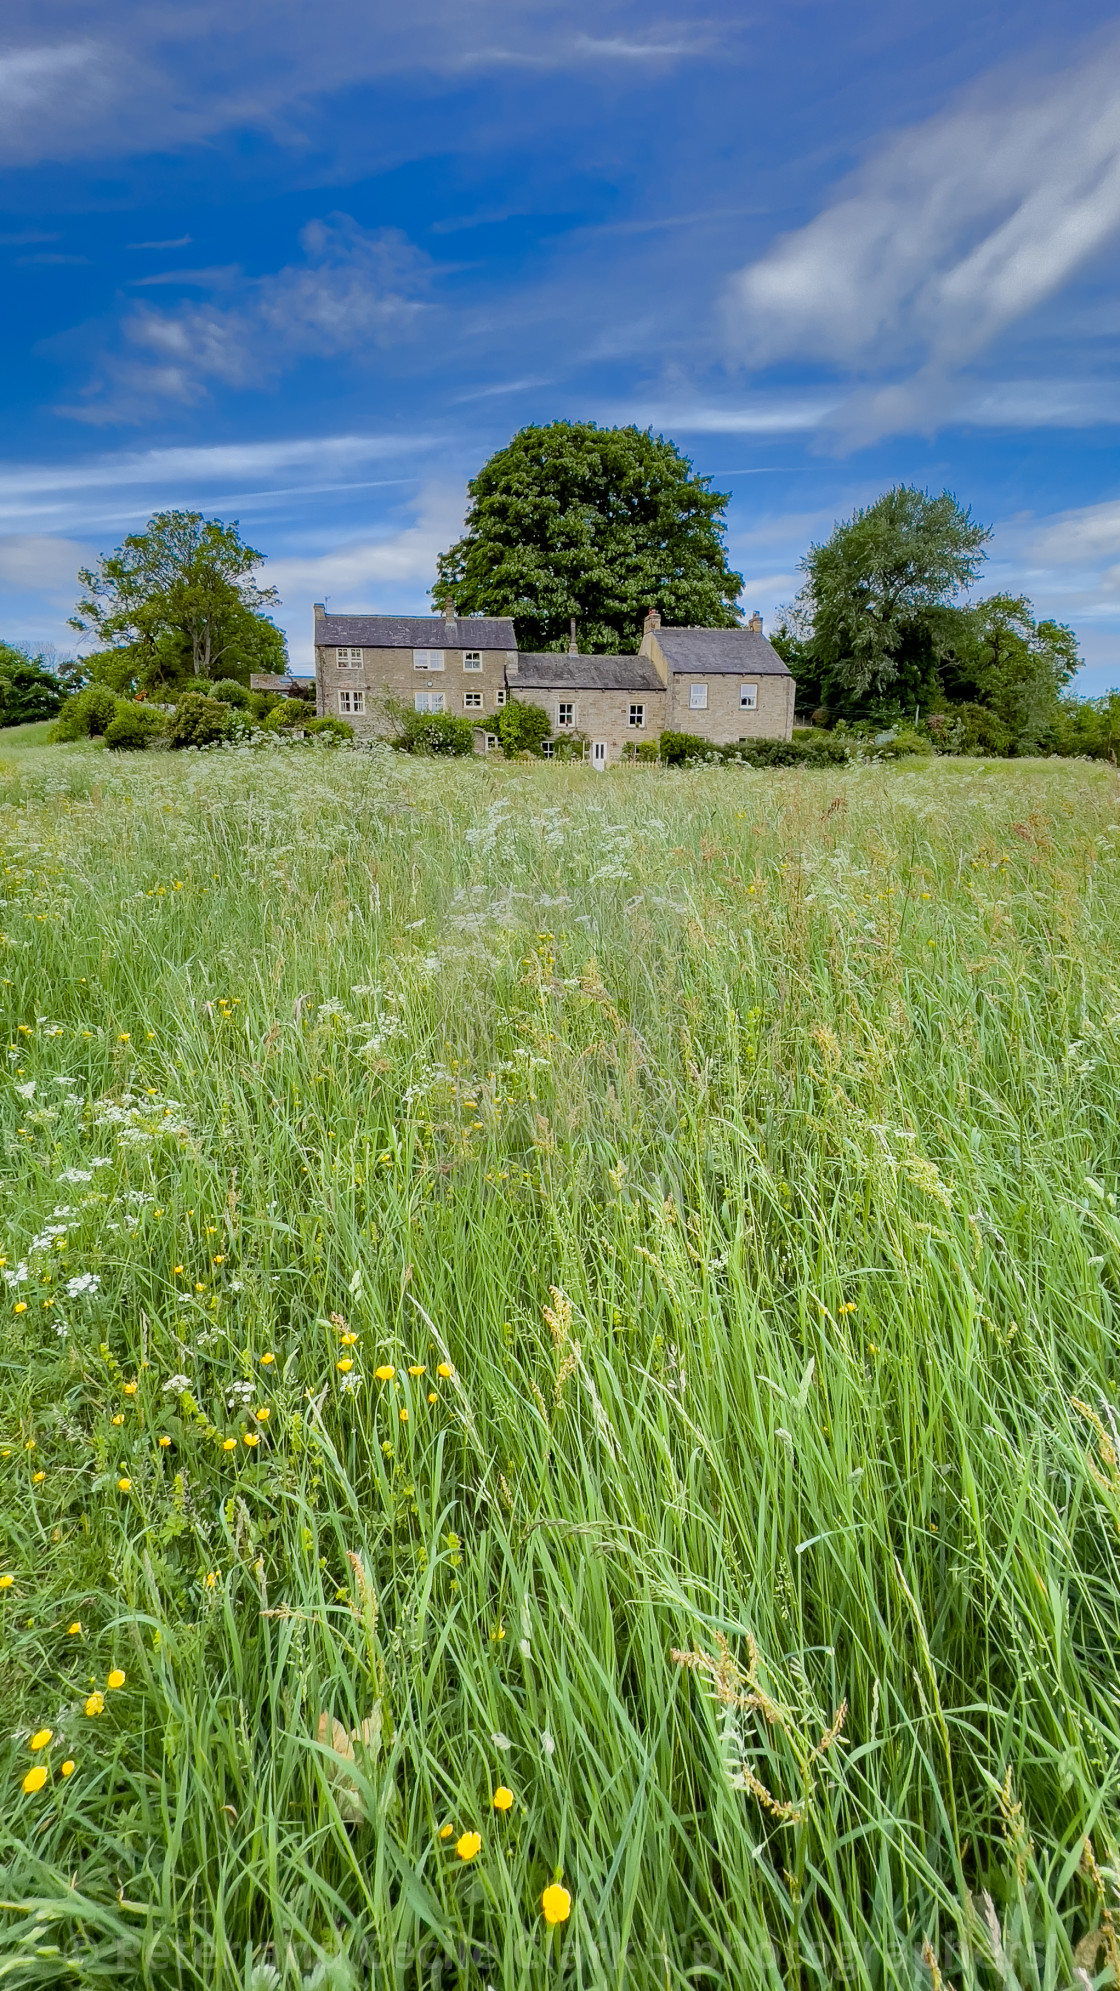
[
  {"x": 653, "y": 620},
  {"x": 320, "y": 611},
  {"x": 448, "y": 609},
  {"x": 573, "y": 646},
  {"x": 755, "y": 622}
]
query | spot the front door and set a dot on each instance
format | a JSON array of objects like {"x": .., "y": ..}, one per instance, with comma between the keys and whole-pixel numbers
[{"x": 599, "y": 754}]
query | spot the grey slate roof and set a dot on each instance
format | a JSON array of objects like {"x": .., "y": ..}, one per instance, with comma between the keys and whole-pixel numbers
[
  {"x": 415, "y": 632},
  {"x": 552, "y": 670},
  {"x": 732, "y": 652}
]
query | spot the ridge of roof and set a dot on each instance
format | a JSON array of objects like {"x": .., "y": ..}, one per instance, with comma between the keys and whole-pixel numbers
[{"x": 415, "y": 632}]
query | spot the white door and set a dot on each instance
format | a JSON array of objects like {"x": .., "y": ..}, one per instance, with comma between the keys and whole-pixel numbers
[{"x": 599, "y": 754}]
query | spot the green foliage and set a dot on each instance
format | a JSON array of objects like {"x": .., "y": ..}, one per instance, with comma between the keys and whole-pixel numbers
[
  {"x": 1014, "y": 666},
  {"x": 87, "y": 713},
  {"x": 198, "y": 721},
  {"x": 522, "y": 727},
  {"x": 180, "y": 600},
  {"x": 874, "y": 615},
  {"x": 231, "y": 691},
  {"x": 286, "y": 712},
  {"x": 571, "y": 519},
  {"x": 427, "y": 733},
  {"x": 330, "y": 728},
  {"x": 1086, "y": 726},
  {"x": 677, "y": 748},
  {"x": 134, "y": 727},
  {"x": 28, "y": 690}
]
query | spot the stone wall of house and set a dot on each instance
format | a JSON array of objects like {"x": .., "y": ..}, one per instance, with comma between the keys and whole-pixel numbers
[
  {"x": 725, "y": 719},
  {"x": 393, "y": 672},
  {"x": 600, "y": 715}
]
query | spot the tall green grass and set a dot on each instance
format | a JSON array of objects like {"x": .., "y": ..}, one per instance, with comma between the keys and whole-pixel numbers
[{"x": 746, "y": 1147}]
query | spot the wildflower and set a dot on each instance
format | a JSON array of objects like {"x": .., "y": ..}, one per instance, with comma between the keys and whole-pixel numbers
[
  {"x": 445, "y": 1370},
  {"x": 115, "y": 1678},
  {"x": 348, "y": 1339},
  {"x": 229, "y": 1444},
  {"x": 503, "y": 1798},
  {"x": 164, "y": 1441},
  {"x": 262, "y": 1414},
  {"x": 6, "y": 1581},
  {"x": 176, "y": 1268},
  {"x": 250, "y": 1437},
  {"x": 268, "y": 1360},
  {"x": 468, "y": 1845},
  {"x": 38, "y": 1478},
  {"x": 125, "y": 1484},
  {"x": 20, "y": 1307},
  {"x": 556, "y": 1905},
  {"x": 35, "y": 1779},
  {"x": 130, "y": 1389},
  {"x": 95, "y": 1704},
  {"x": 416, "y": 1369},
  {"x": 41, "y": 1738},
  {"x": 445, "y": 1831},
  {"x": 403, "y": 1415},
  {"x": 123, "y": 1036},
  {"x": 385, "y": 1373},
  {"x": 68, "y": 1768},
  {"x": 848, "y": 1307},
  {"x": 344, "y": 1367},
  {"x": 432, "y": 1397},
  {"x": 199, "y": 1286},
  {"x": 220, "y": 1260},
  {"x": 73, "y": 1630},
  {"x": 497, "y": 1634},
  {"x": 85, "y": 1282},
  {"x": 119, "y": 1418}
]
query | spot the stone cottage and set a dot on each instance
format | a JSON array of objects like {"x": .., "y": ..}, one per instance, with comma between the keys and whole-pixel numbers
[{"x": 722, "y": 684}]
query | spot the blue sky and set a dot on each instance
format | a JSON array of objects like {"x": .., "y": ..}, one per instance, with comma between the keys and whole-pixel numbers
[{"x": 306, "y": 266}]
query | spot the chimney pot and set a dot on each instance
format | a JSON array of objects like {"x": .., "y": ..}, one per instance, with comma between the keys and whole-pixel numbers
[
  {"x": 320, "y": 611},
  {"x": 449, "y": 611},
  {"x": 653, "y": 619},
  {"x": 755, "y": 621}
]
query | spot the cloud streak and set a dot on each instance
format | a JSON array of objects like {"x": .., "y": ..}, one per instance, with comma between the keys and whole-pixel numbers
[{"x": 955, "y": 230}]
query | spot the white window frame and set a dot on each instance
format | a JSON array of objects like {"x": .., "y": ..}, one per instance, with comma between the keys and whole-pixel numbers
[
  {"x": 491, "y": 741},
  {"x": 638, "y": 716},
  {"x": 697, "y": 697},
  {"x": 427, "y": 701},
  {"x": 349, "y": 659},
  {"x": 472, "y": 701},
  {"x": 501, "y": 697},
  {"x": 427, "y": 660},
  {"x": 565, "y": 705},
  {"x": 748, "y": 698},
  {"x": 547, "y": 749},
  {"x": 472, "y": 660},
  {"x": 351, "y": 703}
]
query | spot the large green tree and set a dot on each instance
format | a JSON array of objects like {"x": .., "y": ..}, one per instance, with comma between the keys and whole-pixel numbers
[
  {"x": 28, "y": 689},
  {"x": 600, "y": 524},
  {"x": 180, "y": 600},
  {"x": 1017, "y": 667},
  {"x": 875, "y": 614}
]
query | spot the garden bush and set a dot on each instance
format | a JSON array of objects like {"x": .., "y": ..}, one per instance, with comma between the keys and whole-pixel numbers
[
  {"x": 330, "y": 729},
  {"x": 231, "y": 692},
  {"x": 134, "y": 727},
  {"x": 289, "y": 712},
  {"x": 523, "y": 728},
  {"x": 198, "y": 721},
  {"x": 86, "y": 714}
]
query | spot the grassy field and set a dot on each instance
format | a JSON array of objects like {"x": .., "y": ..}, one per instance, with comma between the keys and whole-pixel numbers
[{"x": 596, "y": 1288}]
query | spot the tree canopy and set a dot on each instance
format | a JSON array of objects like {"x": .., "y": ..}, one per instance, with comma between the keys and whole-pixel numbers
[
  {"x": 28, "y": 690},
  {"x": 179, "y": 601},
  {"x": 872, "y": 612},
  {"x": 601, "y": 524}
]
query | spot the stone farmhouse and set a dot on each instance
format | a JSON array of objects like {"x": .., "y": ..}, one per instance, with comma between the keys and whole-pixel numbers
[{"x": 722, "y": 684}]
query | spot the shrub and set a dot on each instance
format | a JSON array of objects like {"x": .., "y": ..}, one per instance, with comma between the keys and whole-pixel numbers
[
  {"x": 677, "y": 748},
  {"x": 86, "y": 714},
  {"x": 27, "y": 691},
  {"x": 523, "y": 728},
  {"x": 435, "y": 733},
  {"x": 289, "y": 712},
  {"x": 261, "y": 703},
  {"x": 198, "y": 721},
  {"x": 330, "y": 729},
  {"x": 134, "y": 727},
  {"x": 230, "y": 692},
  {"x": 906, "y": 741}
]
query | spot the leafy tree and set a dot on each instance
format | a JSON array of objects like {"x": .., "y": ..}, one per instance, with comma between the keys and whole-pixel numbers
[
  {"x": 523, "y": 728},
  {"x": 875, "y": 614},
  {"x": 1003, "y": 659},
  {"x": 178, "y": 601},
  {"x": 86, "y": 714},
  {"x": 28, "y": 691},
  {"x": 601, "y": 524}
]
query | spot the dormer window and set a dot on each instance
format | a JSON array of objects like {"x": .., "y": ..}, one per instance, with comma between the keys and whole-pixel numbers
[
  {"x": 348, "y": 660},
  {"x": 472, "y": 660},
  {"x": 427, "y": 660}
]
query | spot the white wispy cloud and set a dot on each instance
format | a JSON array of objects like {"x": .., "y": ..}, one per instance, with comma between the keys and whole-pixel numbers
[
  {"x": 353, "y": 290},
  {"x": 953, "y": 231},
  {"x": 41, "y": 562}
]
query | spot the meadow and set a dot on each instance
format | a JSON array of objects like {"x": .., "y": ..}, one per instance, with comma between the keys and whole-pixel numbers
[{"x": 559, "y": 1347}]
